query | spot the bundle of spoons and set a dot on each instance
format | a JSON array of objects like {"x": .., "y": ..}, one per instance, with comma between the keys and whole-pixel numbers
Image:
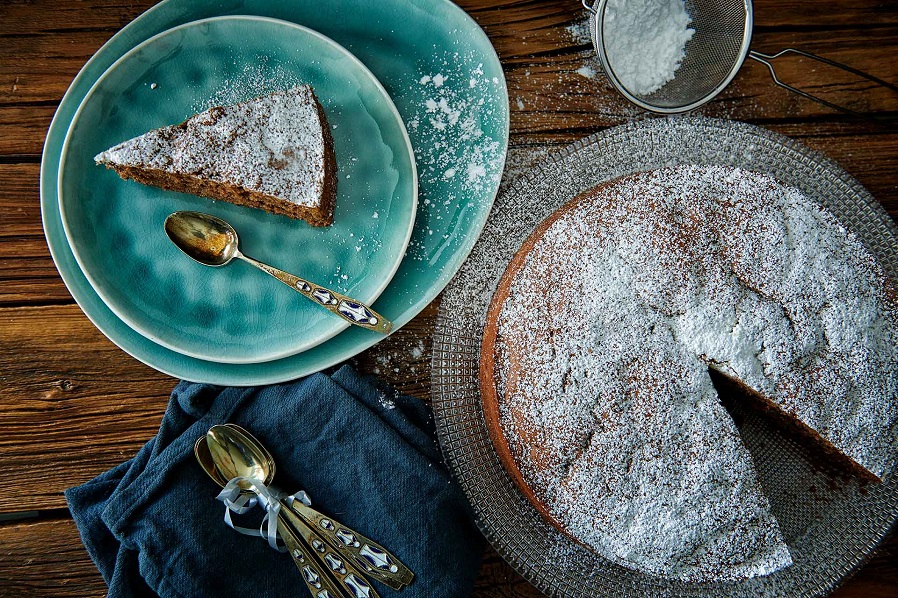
[{"x": 332, "y": 558}]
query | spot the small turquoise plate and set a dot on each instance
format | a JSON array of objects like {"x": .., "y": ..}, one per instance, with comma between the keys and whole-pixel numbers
[
  {"x": 431, "y": 58},
  {"x": 236, "y": 314}
]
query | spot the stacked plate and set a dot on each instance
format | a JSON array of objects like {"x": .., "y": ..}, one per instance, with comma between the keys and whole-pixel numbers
[{"x": 419, "y": 117}]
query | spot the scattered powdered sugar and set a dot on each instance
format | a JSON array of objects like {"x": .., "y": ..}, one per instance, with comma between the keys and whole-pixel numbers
[
  {"x": 580, "y": 31},
  {"x": 580, "y": 35},
  {"x": 385, "y": 401},
  {"x": 645, "y": 41},
  {"x": 417, "y": 351},
  {"x": 457, "y": 159},
  {"x": 586, "y": 71},
  {"x": 407, "y": 356},
  {"x": 590, "y": 84},
  {"x": 607, "y": 334},
  {"x": 255, "y": 79}
]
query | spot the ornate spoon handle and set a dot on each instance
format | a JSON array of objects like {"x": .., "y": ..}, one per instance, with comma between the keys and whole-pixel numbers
[
  {"x": 354, "y": 312},
  {"x": 319, "y": 585},
  {"x": 351, "y": 582},
  {"x": 374, "y": 559}
]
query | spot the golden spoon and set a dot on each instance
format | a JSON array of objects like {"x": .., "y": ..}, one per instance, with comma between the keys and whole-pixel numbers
[{"x": 213, "y": 242}]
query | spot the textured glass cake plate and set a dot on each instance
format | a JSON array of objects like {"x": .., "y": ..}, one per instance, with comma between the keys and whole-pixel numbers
[{"x": 831, "y": 524}]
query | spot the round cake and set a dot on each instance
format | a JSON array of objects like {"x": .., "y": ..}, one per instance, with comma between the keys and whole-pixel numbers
[{"x": 602, "y": 337}]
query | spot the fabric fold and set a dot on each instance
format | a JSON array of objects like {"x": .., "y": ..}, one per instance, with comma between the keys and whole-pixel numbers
[{"x": 365, "y": 454}]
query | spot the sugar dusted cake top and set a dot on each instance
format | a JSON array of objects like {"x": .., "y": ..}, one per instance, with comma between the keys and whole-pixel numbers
[
  {"x": 274, "y": 145},
  {"x": 604, "y": 331}
]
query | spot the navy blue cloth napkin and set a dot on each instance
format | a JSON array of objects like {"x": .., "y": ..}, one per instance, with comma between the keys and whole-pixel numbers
[{"x": 365, "y": 454}]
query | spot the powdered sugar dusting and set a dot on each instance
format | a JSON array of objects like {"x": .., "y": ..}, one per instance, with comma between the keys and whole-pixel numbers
[
  {"x": 456, "y": 159},
  {"x": 579, "y": 32},
  {"x": 645, "y": 41},
  {"x": 604, "y": 98},
  {"x": 252, "y": 81},
  {"x": 586, "y": 71},
  {"x": 674, "y": 272}
]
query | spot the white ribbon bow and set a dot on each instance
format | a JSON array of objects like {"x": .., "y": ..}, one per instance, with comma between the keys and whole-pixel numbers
[{"x": 265, "y": 497}]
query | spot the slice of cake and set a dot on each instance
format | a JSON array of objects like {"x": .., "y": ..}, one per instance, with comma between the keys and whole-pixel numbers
[{"x": 274, "y": 153}]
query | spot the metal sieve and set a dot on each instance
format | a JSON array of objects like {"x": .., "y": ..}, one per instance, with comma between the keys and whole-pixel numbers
[{"x": 712, "y": 58}]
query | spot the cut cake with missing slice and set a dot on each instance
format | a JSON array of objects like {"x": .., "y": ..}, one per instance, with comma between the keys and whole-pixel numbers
[
  {"x": 604, "y": 333},
  {"x": 274, "y": 153}
]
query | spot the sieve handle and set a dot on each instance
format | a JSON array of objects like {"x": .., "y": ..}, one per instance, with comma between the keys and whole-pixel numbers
[
  {"x": 589, "y": 7},
  {"x": 767, "y": 58}
]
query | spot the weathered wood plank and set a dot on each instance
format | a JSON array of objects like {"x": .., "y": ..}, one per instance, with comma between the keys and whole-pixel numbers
[
  {"x": 545, "y": 57},
  {"x": 57, "y": 16},
  {"x": 20, "y": 209},
  {"x": 23, "y": 17},
  {"x": 38, "y": 287},
  {"x": 27, "y": 272},
  {"x": 77, "y": 405},
  {"x": 22, "y": 129},
  {"x": 39, "y": 68},
  {"x": 89, "y": 406},
  {"x": 46, "y": 558}
]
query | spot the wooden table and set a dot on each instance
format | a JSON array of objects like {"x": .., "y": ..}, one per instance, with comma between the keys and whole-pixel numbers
[{"x": 73, "y": 405}]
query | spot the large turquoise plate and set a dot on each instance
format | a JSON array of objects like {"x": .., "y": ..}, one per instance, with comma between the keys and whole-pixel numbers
[
  {"x": 459, "y": 132},
  {"x": 236, "y": 314}
]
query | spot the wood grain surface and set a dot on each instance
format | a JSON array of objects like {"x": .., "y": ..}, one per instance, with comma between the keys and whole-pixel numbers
[{"x": 73, "y": 405}]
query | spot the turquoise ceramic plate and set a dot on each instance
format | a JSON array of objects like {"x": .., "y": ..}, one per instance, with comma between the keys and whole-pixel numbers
[
  {"x": 236, "y": 314},
  {"x": 403, "y": 42}
]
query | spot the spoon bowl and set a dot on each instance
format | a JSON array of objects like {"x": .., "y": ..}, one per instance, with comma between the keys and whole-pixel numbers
[
  {"x": 234, "y": 457},
  {"x": 204, "y": 458},
  {"x": 251, "y": 441},
  {"x": 203, "y": 237}
]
